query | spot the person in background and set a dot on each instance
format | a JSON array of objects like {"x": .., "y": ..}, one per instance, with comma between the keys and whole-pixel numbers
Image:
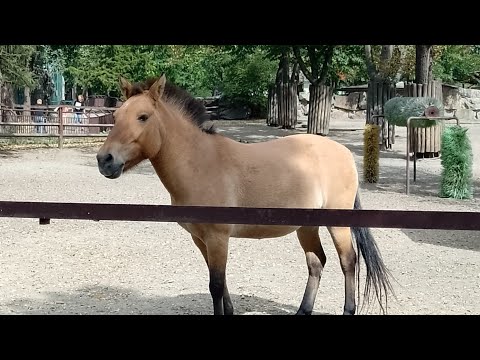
[
  {"x": 39, "y": 117},
  {"x": 78, "y": 111}
]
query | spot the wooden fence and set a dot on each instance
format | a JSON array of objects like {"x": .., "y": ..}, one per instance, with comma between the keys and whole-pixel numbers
[{"x": 58, "y": 122}]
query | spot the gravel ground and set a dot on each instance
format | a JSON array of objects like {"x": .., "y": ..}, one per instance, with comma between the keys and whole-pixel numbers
[{"x": 86, "y": 267}]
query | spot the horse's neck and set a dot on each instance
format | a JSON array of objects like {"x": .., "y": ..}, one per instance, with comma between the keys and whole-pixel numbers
[{"x": 184, "y": 155}]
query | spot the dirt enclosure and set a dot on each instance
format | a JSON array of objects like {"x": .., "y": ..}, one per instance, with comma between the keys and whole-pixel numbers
[{"x": 108, "y": 267}]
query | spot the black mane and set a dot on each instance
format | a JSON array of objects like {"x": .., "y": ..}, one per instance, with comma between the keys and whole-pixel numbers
[{"x": 193, "y": 107}]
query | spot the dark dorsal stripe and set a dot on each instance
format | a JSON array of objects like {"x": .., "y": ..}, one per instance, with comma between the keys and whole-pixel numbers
[{"x": 193, "y": 107}]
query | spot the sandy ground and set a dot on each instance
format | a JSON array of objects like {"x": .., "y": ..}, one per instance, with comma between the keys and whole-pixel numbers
[{"x": 86, "y": 267}]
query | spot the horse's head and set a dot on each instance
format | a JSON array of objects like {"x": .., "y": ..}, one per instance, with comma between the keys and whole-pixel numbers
[{"x": 135, "y": 135}]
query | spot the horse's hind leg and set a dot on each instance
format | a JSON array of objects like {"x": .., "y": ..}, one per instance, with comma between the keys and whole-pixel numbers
[
  {"x": 227, "y": 302},
  {"x": 342, "y": 238},
  {"x": 316, "y": 259}
]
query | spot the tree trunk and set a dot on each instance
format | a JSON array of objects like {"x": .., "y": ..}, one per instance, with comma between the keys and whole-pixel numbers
[
  {"x": 378, "y": 93},
  {"x": 294, "y": 75},
  {"x": 374, "y": 72},
  {"x": 27, "y": 101},
  {"x": 284, "y": 65},
  {"x": 287, "y": 105},
  {"x": 6, "y": 95},
  {"x": 423, "y": 64},
  {"x": 319, "y": 109},
  {"x": 282, "y": 99}
]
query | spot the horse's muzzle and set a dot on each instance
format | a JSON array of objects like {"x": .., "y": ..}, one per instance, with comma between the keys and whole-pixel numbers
[{"x": 108, "y": 167}]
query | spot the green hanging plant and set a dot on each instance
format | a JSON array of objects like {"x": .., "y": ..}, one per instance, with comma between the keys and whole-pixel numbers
[
  {"x": 456, "y": 158},
  {"x": 398, "y": 109}
]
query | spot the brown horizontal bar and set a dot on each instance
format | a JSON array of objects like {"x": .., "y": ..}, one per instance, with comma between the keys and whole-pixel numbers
[
  {"x": 33, "y": 135},
  {"x": 446, "y": 220},
  {"x": 55, "y": 124}
]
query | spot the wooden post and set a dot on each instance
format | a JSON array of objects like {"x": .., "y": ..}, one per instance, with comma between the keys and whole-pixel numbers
[
  {"x": 319, "y": 110},
  {"x": 378, "y": 93},
  {"x": 60, "y": 127},
  {"x": 272, "y": 109},
  {"x": 44, "y": 221},
  {"x": 287, "y": 105}
]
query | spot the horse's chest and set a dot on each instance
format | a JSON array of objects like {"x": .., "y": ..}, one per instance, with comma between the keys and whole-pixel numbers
[{"x": 189, "y": 227}]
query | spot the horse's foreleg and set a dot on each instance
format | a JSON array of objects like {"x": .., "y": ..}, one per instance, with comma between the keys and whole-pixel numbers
[
  {"x": 215, "y": 251},
  {"x": 227, "y": 302},
  {"x": 342, "y": 238},
  {"x": 316, "y": 259}
]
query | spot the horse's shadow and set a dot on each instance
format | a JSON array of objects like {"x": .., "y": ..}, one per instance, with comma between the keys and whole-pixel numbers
[
  {"x": 100, "y": 300},
  {"x": 9, "y": 153},
  {"x": 459, "y": 239}
]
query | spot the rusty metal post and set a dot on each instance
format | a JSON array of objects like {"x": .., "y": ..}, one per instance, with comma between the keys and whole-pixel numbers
[
  {"x": 407, "y": 178},
  {"x": 414, "y": 158},
  {"x": 60, "y": 127}
]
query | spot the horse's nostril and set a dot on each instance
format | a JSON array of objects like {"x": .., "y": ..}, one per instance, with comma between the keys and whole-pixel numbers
[{"x": 105, "y": 159}]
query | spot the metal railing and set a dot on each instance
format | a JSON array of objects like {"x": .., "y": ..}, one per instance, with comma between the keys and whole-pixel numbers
[{"x": 406, "y": 219}]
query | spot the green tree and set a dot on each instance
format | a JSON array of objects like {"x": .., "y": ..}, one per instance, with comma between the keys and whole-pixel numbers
[
  {"x": 348, "y": 65},
  {"x": 14, "y": 70},
  {"x": 246, "y": 79},
  {"x": 98, "y": 67},
  {"x": 456, "y": 64}
]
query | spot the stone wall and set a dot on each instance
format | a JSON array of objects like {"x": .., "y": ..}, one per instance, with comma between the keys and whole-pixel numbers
[
  {"x": 464, "y": 100},
  {"x": 354, "y": 101}
]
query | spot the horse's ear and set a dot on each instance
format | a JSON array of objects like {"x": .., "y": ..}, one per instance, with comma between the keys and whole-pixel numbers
[
  {"x": 156, "y": 90},
  {"x": 125, "y": 87}
]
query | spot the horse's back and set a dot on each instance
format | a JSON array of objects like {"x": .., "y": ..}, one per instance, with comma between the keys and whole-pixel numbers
[{"x": 302, "y": 170}]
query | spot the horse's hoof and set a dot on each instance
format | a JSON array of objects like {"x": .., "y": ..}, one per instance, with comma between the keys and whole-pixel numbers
[{"x": 303, "y": 312}]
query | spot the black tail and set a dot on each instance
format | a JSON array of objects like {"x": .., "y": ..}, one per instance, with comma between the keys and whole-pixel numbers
[{"x": 377, "y": 274}]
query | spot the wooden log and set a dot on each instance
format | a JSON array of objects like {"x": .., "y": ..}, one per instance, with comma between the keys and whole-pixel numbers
[
  {"x": 280, "y": 104},
  {"x": 293, "y": 104},
  {"x": 327, "y": 107},
  {"x": 312, "y": 111},
  {"x": 287, "y": 105},
  {"x": 320, "y": 109},
  {"x": 270, "y": 105},
  {"x": 391, "y": 127},
  {"x": 370, "y": 100},
  {"x": 378, "y": 93}
]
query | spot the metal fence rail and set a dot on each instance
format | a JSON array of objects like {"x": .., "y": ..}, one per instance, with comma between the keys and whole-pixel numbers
[{"x": 445, "y": 220}]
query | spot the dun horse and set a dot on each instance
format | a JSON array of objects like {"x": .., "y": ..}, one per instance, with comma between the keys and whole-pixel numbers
[{"x": 163, "y": 123}]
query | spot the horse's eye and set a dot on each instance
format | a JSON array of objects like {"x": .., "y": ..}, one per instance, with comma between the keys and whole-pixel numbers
[{"x": 143, "y": 117}]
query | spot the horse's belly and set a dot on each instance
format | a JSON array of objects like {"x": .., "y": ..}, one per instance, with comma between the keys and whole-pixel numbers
[{"x": 261, "y": 231}]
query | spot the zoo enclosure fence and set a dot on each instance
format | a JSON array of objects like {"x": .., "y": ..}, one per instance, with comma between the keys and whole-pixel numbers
[{"x": 55, "y": 122}]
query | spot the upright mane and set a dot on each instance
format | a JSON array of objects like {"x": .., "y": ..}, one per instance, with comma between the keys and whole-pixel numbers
[{"x": 174, "y": 94}]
